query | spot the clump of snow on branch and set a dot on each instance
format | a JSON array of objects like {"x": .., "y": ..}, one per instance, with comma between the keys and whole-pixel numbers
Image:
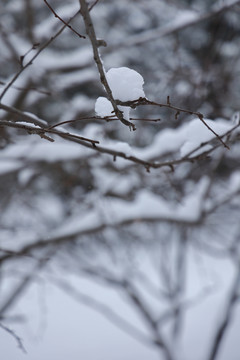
[
  {"x": 103, "y": 107},
  {"x": 126, "y": 85}
]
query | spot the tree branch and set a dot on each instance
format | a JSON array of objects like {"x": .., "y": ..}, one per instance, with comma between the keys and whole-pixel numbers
[
  {"x": 94, "y": 144},
  {"x": 24, "y": 283},
  {"x": 42, "y": 133},
  {"x": 64, "y": 22},
  {"x": 144, "y": 101},
  {"x": 23, "y": 116},
  {"x": 15, "y": 336},
  {"x": 92, "y": 36}
]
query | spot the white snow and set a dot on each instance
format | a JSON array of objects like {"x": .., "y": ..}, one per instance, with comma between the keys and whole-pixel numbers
[
  {"x": 124, "y": 147},
  {"x": 103, "y": 107},
  {"x": 78, "y": 223},
  {"x": 184, "y": 18},
  {"x": 186, "y": 138},
  {"x": 151, "y": 206},
  {"x": 126, "y": 84},
  {"x": 74, "y": 78},
  {"x": 169, "y": 141},
  {"x": 197, "y": 133},
  {"x": 9, "y": 166},
  {"x": 176, "y": 143},
  {"x": 234, "y": 182},
  {"x": 40, "y": 150},
  {"x": 25, "y": 175},
  {"x": 35, "y": 118},
  {"x": 47, "y": 61}
]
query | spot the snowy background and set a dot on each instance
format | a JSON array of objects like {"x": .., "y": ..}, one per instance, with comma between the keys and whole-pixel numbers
[{"x": 119, "y": 244}]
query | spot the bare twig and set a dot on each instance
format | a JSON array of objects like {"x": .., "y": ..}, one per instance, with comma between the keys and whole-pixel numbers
[
  {"x": 23, "y": 116},
  {"x": 22, "y": 57},
  {"x": 92, "y": 36},
  {"x": 15, "y": 336},
  {"x": 42, "y": 132},
  {"x": 93, "y": 4},
  {"x": 80, "y": 119},
  {"x": 106, "y": 118},
  {"x": 144, "y": 101},
  {"x": 64, "y": 22},
  {"x": 226, "y": 134},
  {"x": 217, "y": 136}
]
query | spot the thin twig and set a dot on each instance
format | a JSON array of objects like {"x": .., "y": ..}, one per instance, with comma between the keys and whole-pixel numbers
[
  {"x": 217, "y": 136},
  {"x": 79, "y": 119},
  {"x": 64, "y": 22},
  {"x": 226, "y": 134},
  {"x": 41, "y": 132},
  {"x": 22, "y": 57},
  {"x": 144, "y": 101},
  {"x": 106, "y": 118},
  {"x": 15, "y": 336},
  {"x": 92, "y": 6},
  {"x": 93, "y": 144},
  {"x": 24, "y": 116}
]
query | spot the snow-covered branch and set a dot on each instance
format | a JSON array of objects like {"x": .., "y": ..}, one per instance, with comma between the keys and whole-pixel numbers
[{"x": 96, "y": 55}]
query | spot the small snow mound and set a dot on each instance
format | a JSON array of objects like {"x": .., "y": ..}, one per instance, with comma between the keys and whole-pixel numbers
[
  {"x": 103, "y": 107},
  {"x": 126, "y": 84},
  {"x": 123, "y": 147}
]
